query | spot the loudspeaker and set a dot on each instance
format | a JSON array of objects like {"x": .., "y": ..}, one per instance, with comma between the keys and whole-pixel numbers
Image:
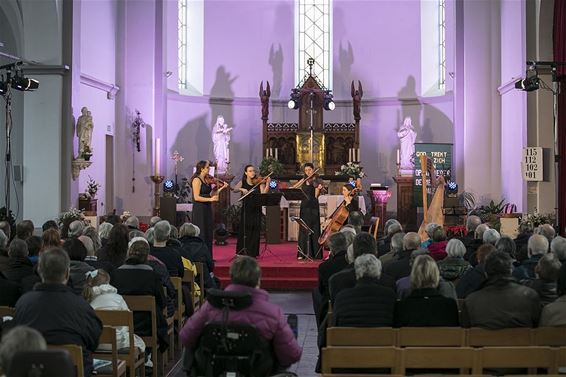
[
  {"x": 168, "y": 209},
  {"x": 18, "y": 173}
]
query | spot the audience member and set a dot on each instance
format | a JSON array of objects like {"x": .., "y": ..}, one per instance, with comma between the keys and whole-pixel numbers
[
  {"x": 91, "y": 259},
  {"x": 268, "y": 318},
  {"x": 55, "y": 311},
  {"x": 526, "y": 230},
  {"x": 168, "y": 255},
  {"x": 136, "y": 277},
  {"x": 491, "y": 236},
  {"x": 553, "y": 313},
  {"x": 104, "y": 230},
  {"x": 502, "y": 302},
  {"x": 425, "y": 306},
  {"x": 506, "y": 244},
  {"x": 401, "y": 268},
  {"x": 194, "y": 249},
  {"x": 547, "y": 231},
  {"x": 19, "y": 266},
  {"x": 474, "y": 245},
  {"x": 78, "y": 268},
  {"x": 356, "y": 219},
  {"x": 75, "y": 229},
  {"x": 154, "y": 220},
  {"x": 396, "y": 248},
  {"x": 453, "y": 267},
  {"x": 390, "y": 227},
  {"x": 149, "y": 235},
  {"x": 3, "y": 251},
  {"x": 558, "y": 248},
  {"x": 50, "y": 224},
  {"x": 102, "y": 296},
  {"x": 173, "y": 240},
  {"x": 133, "y": 223},
  {"x": 112, "y": 219},
  {"x": 473, "y": 279},
  {"x": 429, "y": 230},
  {"x": 437, "y": 248},
  {"x": 35, "y": 245},
  {"x": 51, "y": 239},
  {"x": 537, "y": 247},
  {"x": 472, "y": 222},
  {"x": 117, "y": 246},
  {"x": 547, "y": 270},
  {"x": 135, "y": 233},
  {"x": 10, "y": 292},
  {"x": 91, "y": 233},
  {"x": 6, "y": 228},
  {"x": 24, "y": 230},
  {"x": 368, "y": 304},
  {"x": 19, "y": 339}
]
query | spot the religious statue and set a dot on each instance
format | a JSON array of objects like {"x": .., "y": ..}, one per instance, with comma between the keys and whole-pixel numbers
[
  {"x": 85, "y": 126},
  {"x": 221, "y": 141},
  {"x": 264, "y": 97},
  {"x": 407, "y": 137},
  {"x": 357, "y": 100}
]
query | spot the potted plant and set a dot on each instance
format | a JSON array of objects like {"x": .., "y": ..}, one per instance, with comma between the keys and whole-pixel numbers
[
  {"x": 66, "y": 218},
  {"x": 270, "y": 165},
  {"x": 232, "y": 214},
  {"x": 87, "y": 200}
]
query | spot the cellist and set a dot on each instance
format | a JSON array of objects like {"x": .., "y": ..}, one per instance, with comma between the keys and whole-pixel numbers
[{"x": 350, "y": 198}]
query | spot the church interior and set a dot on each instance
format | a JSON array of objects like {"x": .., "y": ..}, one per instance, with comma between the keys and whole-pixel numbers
[{"x": 308, "y": 167}]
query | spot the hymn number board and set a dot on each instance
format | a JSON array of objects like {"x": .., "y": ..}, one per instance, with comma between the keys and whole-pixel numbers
[
  {"x": 532, "y": 164},
  {"x": 441, "y": 156}
]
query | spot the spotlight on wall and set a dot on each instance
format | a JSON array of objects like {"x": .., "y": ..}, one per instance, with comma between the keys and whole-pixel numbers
[
  {"x": 328, "y": 101},
  {"x": 451, "y": 188},
  {"x": 295, "y": 101},
  {"x": 24, "y": 84},
  {"x": 528, "y": 84}
]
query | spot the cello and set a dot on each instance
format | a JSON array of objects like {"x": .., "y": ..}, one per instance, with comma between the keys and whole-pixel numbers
[{"x": 336, "y": 220}]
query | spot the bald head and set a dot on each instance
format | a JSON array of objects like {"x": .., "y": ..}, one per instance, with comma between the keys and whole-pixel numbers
[
  {"x": 411, "y": 241},
  {"x": 480, "y": 230},
  {"x": 472, "y": 223},
  {"x": 538, "y": 245}
]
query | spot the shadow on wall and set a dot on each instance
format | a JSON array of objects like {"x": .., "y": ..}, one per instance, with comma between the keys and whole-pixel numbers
[
  {"x": 346, "y": 60},
  {"x": 276, "y": 63},
  {"x": 194, "y": 142},
  {"x": 437, "y": 128}
]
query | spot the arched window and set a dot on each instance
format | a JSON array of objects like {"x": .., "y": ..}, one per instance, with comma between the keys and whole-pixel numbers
[
  {"x": 190, "y": 46},
  {"x": 313, "y": 39},
  {"x": 433, "y": 47}
]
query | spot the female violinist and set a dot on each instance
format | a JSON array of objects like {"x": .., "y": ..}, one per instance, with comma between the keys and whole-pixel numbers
[
  {"x": 250, "y": 215},
  {"x": 310, "y": 214},
  {"x": 202, "y": 199}
]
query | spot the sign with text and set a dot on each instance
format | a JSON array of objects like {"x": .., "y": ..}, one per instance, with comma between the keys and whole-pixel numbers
[
  {"x": 441, "y": 157},
  {"x": 532, "y": 164}
]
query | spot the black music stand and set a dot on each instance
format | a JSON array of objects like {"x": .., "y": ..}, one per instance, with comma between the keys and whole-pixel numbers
[
  {"x": 293, "y": 194},
  {"x": 304, "y": 228},
  {"x": 269, "y": 199}
]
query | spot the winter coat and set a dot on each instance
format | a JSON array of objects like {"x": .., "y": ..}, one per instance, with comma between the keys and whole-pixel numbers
[
  {"x": 401, "y": 267},
  {"x": 335, "y": 263},
  {"x": 195, "y": 250},
  {"x": 18, "y": 269},
  {"x": 347, "y": 279},
  {"x": 502, "y": 303},
  {"x": 106, "y": 297},
  {"x": 268, "y": 319},
  {"x": 61, "y": 317},
  {"x": 171, "y": 258},
  {"x": 471, "y": 281},
  {"x": 445, "y": 288},
  {"x": 368, "y": 304},
  {"x": 546, "y": 290},
  {"x": 526, "y": 271},
  {"x": 553, "y": 313},
  {"x": 471, "y": 249},
  {"x": 437, "y": 250},
  {"x": 453, "y": 268},
  {"x": 426, "y": 307}
]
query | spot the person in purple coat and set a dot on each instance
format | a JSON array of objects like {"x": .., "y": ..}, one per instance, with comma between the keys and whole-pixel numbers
[{"x": 268, "y": 318}]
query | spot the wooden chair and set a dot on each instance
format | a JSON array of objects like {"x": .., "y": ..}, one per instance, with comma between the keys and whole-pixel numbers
[
  {"x": 519, "y": 357},
  {"x": 360, "y": 336},
  {"x": 76, "y": 353},
  {"x": 550, "y": 337},
  {"x": 179, "y": 317},
  {"x": 147, "y": 304},
  {"x": 170, "y": 353},
  {"x": 360, "y": 357},
  {"x": 134, "y": 358},
  {"x": 200, "y": 273},
  {"x": 431, "y": 337},
  {"x": 329, "y": 315},
  {"x": 118, "y": 367},
  {"x": 374, "y": 227},
  {"x": 189, "y": 279},
  {"x": 438, "y": 358},
  {"x": 7, "y": 311},
  {"x": 506, "y": 337}
]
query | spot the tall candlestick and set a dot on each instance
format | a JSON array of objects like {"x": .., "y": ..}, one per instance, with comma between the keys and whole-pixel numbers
[
  {"x": 349, "y": 154},
  {"x": 157, "y": 156},
  {"x": 398, "y": 157},
  {"x": 276, "y": 153}
]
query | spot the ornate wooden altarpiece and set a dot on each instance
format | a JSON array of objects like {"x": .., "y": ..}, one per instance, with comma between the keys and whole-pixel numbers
[{"x": 331, "y": 141}]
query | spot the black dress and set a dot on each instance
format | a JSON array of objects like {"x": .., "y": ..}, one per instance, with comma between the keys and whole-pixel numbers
[
  {"x": 250, "y": 223},
  {"x": 202, "y": 214},
  {"x": 310, "y": 213}
]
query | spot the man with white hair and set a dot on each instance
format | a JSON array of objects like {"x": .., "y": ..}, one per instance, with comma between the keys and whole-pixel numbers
[
  {"x": 167, "y": 254},
  {"x": 154, "y": 220},
  {"x": 396, "y": 249},
  {"x": 401, "y": 267},
  {"x": 429, "y": 229},
  {"x": 547, "y": 231},
  {"x": 194, "y": 249},
  {"x": 76, "y": 229},
  {"x": 558, "y": 248},
  {"x": 474, "y": 245},
  {"x": 491, "y": 236},
  {"x": 390, "y": 228},
  {"x": 368, "y": 304},
  {"x": 453, "y": 267},
  {"x": 132, "y": 223},
  {"x": 537, "y": 247}
]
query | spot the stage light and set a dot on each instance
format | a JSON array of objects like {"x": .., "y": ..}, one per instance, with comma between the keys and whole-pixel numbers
[
  {"x": 528, "y": 84},
  {"x": 328, "y": 101},
  {"x": 293, "y": 104},
  {"x": 168, "y": 185},
  {"x": 273, "y": 184},
  {"x": 451, "y": 188},
  {"x": 24, "y": 84}
]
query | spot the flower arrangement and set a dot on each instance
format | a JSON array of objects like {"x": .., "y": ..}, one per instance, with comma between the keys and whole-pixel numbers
[
  {"x": 137, "y": 124},
  {"x": 532, "y": 220},
  {"x": 352, "y": 169},
  {"x": 91, "y": 188},
  {"x": 65, "y": 218},
  {"x": 270, "y": 165}
]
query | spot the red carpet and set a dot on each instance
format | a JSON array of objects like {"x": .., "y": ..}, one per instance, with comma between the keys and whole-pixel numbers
[{"x": 280, "y": 268}]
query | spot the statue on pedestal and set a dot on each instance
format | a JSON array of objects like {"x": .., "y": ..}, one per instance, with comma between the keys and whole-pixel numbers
[
  {"x": 221, "y": 141},
  {"x": 85, "y": 127},
  {"x": 264, "y": 97},
  {"x": 357, "y": 100},
  {"x": 407, "y": 137}
]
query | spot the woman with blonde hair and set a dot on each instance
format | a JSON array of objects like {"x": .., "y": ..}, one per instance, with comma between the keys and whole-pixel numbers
[{"x": 425, "y": 306}]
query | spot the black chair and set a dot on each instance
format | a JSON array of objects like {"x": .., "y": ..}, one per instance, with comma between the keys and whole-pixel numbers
[
  {"x": 48, "y": 363},
  {"x": 228, "y": 348}
]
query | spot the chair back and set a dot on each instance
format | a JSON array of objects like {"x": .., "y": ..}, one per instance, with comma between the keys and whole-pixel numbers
[
  {"x": 358, "y": 357},
  {"x": 519, "y": 357},
  {"x": 189, "y": 279},
  {"x": 7, "y": 311},
  {"x": 431, "y": 337},
  {"x": 360, "y": 336},
  {"x": 550, "y": 336},
  {"x": 48, "y": 363},
  {"x": 438, "y": 357},
  {"x": 478, "y": 337},
  {"x": 146, "y": 304},
  {"x": 180, "y": 309},
  {"x": 200, "y": 273},
  {"x": 76, "y": 353}
]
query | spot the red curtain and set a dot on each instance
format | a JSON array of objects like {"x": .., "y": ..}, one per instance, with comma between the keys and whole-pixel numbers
[{"x": 559, "y": 44}]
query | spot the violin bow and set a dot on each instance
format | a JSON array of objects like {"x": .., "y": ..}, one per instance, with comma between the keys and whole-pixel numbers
[{"x": 256, "y": 186}]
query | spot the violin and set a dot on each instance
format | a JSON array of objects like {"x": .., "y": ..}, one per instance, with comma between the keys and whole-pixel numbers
[
  {"x": 210, "y": 180},
  {"x": 258, "y": 179}
]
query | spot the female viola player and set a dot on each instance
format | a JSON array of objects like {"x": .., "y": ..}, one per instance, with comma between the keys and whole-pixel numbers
[{"x": 310, "y": 214}]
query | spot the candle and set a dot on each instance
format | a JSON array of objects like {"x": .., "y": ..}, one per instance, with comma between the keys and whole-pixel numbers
[
  {"x": 157, "y": 155},
  {"x": 349, "y": 154},
  {"x": 276, "y": 153},
  {"x": 398, "y": 157},
  {"x": 357, "y": 154}
]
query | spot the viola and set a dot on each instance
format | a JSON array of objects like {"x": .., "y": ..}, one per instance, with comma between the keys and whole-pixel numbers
[
  {"x": 336, "y": 220},
  {"x": 210, "y": 180},
  {"x": 258, "y": 179}
]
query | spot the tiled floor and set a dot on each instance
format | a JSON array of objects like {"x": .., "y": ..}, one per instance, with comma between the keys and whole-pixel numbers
[{"x": 299, "y": 303}]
